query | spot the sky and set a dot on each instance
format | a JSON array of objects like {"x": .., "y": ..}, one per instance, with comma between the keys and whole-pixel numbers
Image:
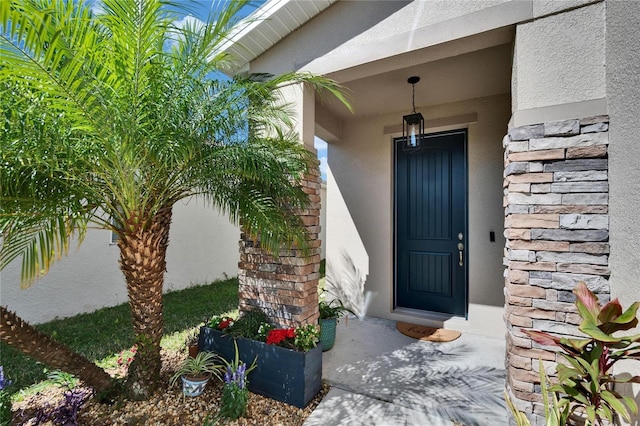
[
  {"x": 201, "y": 8},
  {"x": 321, "y": 146}
]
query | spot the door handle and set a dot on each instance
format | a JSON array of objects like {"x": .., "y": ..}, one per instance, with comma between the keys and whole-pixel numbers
[{"x": 460, "y": 255}]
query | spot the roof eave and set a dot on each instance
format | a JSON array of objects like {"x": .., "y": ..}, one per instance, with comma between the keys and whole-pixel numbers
[{"x": 265, "y": 27}]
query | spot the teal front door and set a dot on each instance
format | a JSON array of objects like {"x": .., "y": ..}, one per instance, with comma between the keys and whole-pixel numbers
[{"x": 431, "y": 224}]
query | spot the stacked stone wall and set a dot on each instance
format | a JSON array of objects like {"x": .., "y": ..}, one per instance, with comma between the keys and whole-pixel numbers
[
  {"x": 285, "y": 288},
  {"x": 557, "y": 232}
]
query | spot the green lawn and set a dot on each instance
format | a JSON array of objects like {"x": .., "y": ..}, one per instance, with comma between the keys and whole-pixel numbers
[{"x": 102, "y": 334}]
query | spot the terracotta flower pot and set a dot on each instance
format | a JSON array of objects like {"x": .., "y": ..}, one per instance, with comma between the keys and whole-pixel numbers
[{"x": 193, "y": 351}]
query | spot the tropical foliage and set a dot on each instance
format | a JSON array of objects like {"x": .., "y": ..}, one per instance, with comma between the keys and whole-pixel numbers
[
  {"x": 585, "y": 381},
  {"x": 204, "y": 364},
  {"x": 110, "y": 117},
  {"x": 235, "y": 394}
]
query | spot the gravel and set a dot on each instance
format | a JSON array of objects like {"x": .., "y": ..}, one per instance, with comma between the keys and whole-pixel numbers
[{"x": 170, "y": 407}]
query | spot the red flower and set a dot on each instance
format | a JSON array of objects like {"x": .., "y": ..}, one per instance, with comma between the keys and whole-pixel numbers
[
  {"x": 278, "y": 335},
  {"x": 224, "y": 324}
]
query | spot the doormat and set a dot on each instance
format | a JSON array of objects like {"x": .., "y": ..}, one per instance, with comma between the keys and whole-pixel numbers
[{"x": 430, "y": 334}]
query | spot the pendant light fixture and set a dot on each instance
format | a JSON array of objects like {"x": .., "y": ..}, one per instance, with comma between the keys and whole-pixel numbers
[{"x": 413, "y": 124}]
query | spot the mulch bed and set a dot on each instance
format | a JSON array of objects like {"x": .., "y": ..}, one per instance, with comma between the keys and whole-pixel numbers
[{"x": 170, "y": 407}]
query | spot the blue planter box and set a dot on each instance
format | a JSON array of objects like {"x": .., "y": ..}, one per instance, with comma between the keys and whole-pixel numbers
[{"x": 283, "y": 374}]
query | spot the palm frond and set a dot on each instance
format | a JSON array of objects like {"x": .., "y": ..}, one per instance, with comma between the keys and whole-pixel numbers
[
  {"x": 118, "y": 110},
  {"x": 49, "y": 47}
]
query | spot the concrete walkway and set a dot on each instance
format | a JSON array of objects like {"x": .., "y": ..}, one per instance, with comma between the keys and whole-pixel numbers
[{"x": 382, "y": 377}]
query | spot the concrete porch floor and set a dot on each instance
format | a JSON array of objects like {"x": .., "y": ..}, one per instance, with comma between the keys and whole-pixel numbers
[{"x": 382, "y": 377}]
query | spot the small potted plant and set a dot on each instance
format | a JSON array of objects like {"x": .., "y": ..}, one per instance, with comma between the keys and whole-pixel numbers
[
  {"x": 329, "y": 314},
  {"x": 195, "y": 372},
  {"x": 191, "y": 342}
]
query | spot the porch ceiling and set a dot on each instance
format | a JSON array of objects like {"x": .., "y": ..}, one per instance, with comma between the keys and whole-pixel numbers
[{"x": 470, "y": 75}]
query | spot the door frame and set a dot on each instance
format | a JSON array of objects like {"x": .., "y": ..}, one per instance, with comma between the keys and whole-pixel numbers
[{"x": 394, "y": 262}]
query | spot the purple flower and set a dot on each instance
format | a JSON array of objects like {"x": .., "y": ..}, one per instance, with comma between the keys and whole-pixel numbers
[
  {"x": 236, "y": 375},
  {"x": 3, "y": 382},
  {"x": 228, "y": 375}
]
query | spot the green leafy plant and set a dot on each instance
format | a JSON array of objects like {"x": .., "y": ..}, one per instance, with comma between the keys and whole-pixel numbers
[
  {"x": 204, "y": 364},
  {"x": 333, "y": 309},
  {"x": 585, "y": 383},
  {"x": 62, "y": 379},
  {"x": 553, "y": 415},
  {"x": 248, "y": 325},
  {"x": 235, "y": 394},
  {"x": 306, "y": 338}
]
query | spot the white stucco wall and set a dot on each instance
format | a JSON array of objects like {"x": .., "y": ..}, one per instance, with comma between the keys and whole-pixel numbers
[
  {"x": 560, "y": 59},
  {"x": 323, "y": 220},
  {"x": 359, "y": 212},
  {"x": 203, "y": 247},
  {"x": 623, "y": 100}
]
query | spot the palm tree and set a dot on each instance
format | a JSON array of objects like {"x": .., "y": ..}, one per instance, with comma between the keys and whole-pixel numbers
[{"x": 110, "y": 118}]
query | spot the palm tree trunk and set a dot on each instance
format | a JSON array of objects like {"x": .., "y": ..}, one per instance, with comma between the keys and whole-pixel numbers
[
  {"x": 32, "y": 342},
  {"x": 143, "y": 251}
]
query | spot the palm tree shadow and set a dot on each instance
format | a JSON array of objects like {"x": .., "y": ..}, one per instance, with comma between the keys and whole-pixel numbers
[
  {"x": 345, "y": 282},
  {"x": 425, "y": 379}
]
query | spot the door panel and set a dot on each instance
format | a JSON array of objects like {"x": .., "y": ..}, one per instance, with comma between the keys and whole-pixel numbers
[{"x": 431, "y": 213}]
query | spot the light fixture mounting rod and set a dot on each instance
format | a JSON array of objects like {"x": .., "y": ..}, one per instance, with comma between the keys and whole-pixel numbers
[{"x": 412, "y": 81}]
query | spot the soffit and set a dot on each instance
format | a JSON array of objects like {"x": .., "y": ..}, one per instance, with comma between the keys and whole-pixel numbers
[
  {"x": 269, "y": 24},
  {"x": 474, "y": 74}
]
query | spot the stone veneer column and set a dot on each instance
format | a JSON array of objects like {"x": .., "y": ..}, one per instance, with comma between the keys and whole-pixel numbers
[
  {"x": 286, "y": 288},
  {"x": 556, "y": 229}
]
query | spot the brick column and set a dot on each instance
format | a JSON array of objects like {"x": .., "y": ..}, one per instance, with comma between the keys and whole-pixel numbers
[
  {"x": 286, "y": 288},
  {"x": 556, "y": 229}
]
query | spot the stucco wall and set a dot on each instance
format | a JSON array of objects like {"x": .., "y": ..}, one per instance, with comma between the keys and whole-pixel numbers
[
  {"x": 359, "y": 211},
  {"x": 203, "y": 247},
  {"x": 351, "y": 33},
  {"x": 560, "y": 59},
  {"x": 323, "y": 220},
  {"x": 623, "y": 100},
  {"x": 623, "y": 92}
]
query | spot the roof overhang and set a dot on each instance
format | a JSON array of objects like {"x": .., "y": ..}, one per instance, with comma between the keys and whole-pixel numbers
[{"x": 265, "y": 27}]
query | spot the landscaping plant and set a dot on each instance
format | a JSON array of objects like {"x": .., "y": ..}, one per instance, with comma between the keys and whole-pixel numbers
[
  {"x": 254, "y": 325},
  {"x": 204, "y": 364},
  {"x": 235, "y": 394},
  {"x": 5, "y": 400},
  {"x": 66, "y": 411},
  {"x": 110, "y": 117},
  {"x": 585, "y": 381},
  {"x": 333, "y": 309}
]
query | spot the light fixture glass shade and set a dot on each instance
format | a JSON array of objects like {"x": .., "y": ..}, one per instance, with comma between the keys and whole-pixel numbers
[{"x": 412, "y": 130}]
